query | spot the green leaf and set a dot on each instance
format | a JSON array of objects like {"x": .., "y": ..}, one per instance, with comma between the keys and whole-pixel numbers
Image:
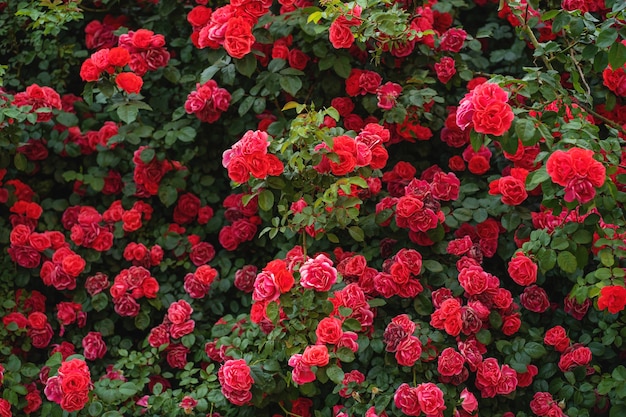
[
  {"x": 142, "y": 321},
  {"x": 20, "y": 161},
  {"x": 335, "y": 374},
  {"x": 167, "y": 195},
  {"x": 272, "y": 311},
  {"x": 290, "y": 84},
  {"x": 432, "y": 265},
  {"x": 246, "y": 65},
  {"x": 537, "y": 177},
  {"x": 567, "y": 262},
  {"x": 525, "y": 129},
  {"x": 606, "y": 38},
  {"x": 128, "y": 389},
  {"x": 147, "y": 155},
  {"x": 127, "y": 112},
  {"x": 356, "y": 233},
  {"x": 67, "y": 119},
  {"x": 342, "y": 66},
  {"x": 617, "y": 55},
  {"x": 345, "y": 355},
  {"x": 534, "y": 350},
  {"x": 95, "y": 408},
  {"x": 99, "y": 301},
  {"x": 266, "y": 200}
]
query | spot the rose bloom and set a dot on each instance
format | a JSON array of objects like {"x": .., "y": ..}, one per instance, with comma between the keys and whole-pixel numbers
[
  {"x": 301, "y": 373},
  {"x": 315, "y": 355},
  {"x": 450, "y": 362},
  {"x": 430, "y": 399},
  {"x": 522, "y": 269},
  {"x": 129, "y": 82},
  {"x": 408, "y": 351},
  {"x": 318, "y": 273},
  {"x": 329, "y": 331},
  {"x": 613, "y": 298},
  {"x": 535, "y": 298},
  {"x": 94, "y": 346},
  {"x": 235, "y": 374}
]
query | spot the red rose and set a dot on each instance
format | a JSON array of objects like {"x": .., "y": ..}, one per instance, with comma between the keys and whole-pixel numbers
[
  {"x": 343, "y": 105},
  {"x": 238, "y": 38},
  {"x": 235, "y": 374},
  {"x": 150, "y": 287},
  {"x": 329, "y": 330},
  {"x": 522, "y": 270},
  {"x": 179, "y": 330},
  {"x": 228, "y": 238},
  {"x": 452, "y": 40},
  {"x": 177, "y": 355},
  {"x": 74, "y": 400},
  {"x": 478, "y": 165},
  {"x": 94, "y": 347},
  {"x": 339, "y": 33},
  {"x": 316, "y": 355},
  {"x": 298, "y": 59},
  {"x": 535, "y": 298},
  {"x": 119, "y": 57},
  {"x": 88, "y": 71},
  {"x": 409, "y": 351},
  {"x": 511, "y": 324},
  {"x": 612, "y": 297},
  {"x": 512, "y": 189},
  {"x": 494, "y": 119},
  {"x": 430, "y": 399},
  {"x": 179, "y": 312},
  {"x": 186, "y": 209},
  {"x": 126, "y": 306},
  {"x": 445, "y": 69},
  {"x": 129, "y": 82},
  {"x": 405, "y": 398},
  {"x": 244, "y": 278}
]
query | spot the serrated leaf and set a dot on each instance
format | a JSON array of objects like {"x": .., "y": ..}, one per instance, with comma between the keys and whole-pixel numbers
[
  {"x": 335, "y": 374},
  {"x": 567, "y": 262},
  {"x": 356, "y": 233}
]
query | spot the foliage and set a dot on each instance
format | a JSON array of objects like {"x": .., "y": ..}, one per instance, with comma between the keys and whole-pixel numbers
[{"x": 313, "y": 208}]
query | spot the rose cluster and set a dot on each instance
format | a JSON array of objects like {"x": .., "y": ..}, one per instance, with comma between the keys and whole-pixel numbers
[
  {"x": 198, "y": 283},
  {"x": 176, "y": 324},
  {"x": 101, "y": 34},
  {"x": 111, "y": 62},
  {"x": 147, "y": 51},
  {"x": 71, "y": 386},
  {"x": 84, "y": 224},
  {"x": 130, "y": 285},
  {"x": 41, "y": 100},
  {"x": 400, "y": 275},
  {"x": 249, "y": 156},
  {"x": 243, "y": 219},
  {"x": 425, "y": 398},
  {"x": 148, "y": 175},
  {"x": 485, "y": 108},
  {"x": 577, "y": 171},
  {"x": 139, "y": 255},
  {"x": 399, "y": 339},
  {"x": 208, "y": 101}
]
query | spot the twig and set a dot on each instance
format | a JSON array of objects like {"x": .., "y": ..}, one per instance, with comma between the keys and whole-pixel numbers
[
  {"x": 580, "y": 72},
  {"x": 609, "y": 122}
]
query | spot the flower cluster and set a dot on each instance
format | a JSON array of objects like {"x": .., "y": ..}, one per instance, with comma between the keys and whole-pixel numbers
[
  {"x": 244, "y": 221},
  {"x": 147, "y": 51},
  {"x": 41, "y": 100},
  {"x": 130, "y": 285},
  {"x": 208, "y": 101},
  {"x": 71, "y": 386},
  {"x": 148, "y": 175},
  {"x": 139, "y": 255},
  {"x": 425, "y": 398},
  {"x": 399, "y": 275},
  {"x": 176, "y": 324},
  {"x": 101, "y": 34},
  {"x": 111, "y": 61},
  {"x": 83, "y": 222},
  {"x": 577, "y": 171},
  {"x": 486, "y": 110},
  {"x": 63, "y": 269},
  {"x": 249, "y": 157},
  {"x": 399, "y": 338},
  {"x": 198, "y": 283}
]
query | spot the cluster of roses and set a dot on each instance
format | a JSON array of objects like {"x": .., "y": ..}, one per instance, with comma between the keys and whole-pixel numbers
[
  {"x": 477, "y": 241},
  {"x": 89, "y": 142},
  {"x": 139, "y": 255},
  {"x": 236, "y": 381},
  {"x": 176, "y": 324},
  {"x": 275, "y": 279},
  {"x": 577, "y": 171},
  {"x": 201, "y": 253},
  {"x": 451, "y": 40},
  {"x": 249, "y": 156},
  {"x": 416, "y": 205},
  {"x": 399, "y": 275},
  {"x": 208, "y": 101},
  {"x": 424, "y": 398},
  {"x": 189, "y": 208},
  {"x": 229, "y": 26},
  {"x": 147, "y": 50},
  {"x": 366, "y": 149},
  {"x": 38, "y": 329},
  {"x": 484, "y": 296},
  {"x": 485, "y": 109},
  {"x": 27, "y": 246},
  {"x": 130, "y": 285},
  {"x": 572, "y": 355},
  {"x": 102, "y": 34},
  {"x": 86, "y": 230},
  {"x": 613, "y": 298},
  {"x": 544, "y": 405},
  {"x": 63, "y": 269},
  {"x": 38, "y": 99},
  {"x": 69, "y": 312},
  {"x": 131, "y": 219},
  {"x": 281, "y": 50},
  {"x": 198, "y": 283},
  {"x": 511, "y": 187},
  {"x": 399, "y": 339},
  {"x": 111, "y": 61},
  {"x": 615, "y": 79},
  {"x": 243, "y": 219},
  {"x": 71, "y": 386},
  {"x": 148, "y": 175}
]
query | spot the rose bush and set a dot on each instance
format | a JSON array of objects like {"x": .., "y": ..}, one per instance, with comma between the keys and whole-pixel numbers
[{"x": 302, "y": 208}]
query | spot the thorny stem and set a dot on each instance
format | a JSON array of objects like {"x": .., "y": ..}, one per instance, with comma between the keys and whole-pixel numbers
[
  {"x": 609, "y": 122},
  {"x": 580, "y": 72},
  {"x": 535, "y": 42}
]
